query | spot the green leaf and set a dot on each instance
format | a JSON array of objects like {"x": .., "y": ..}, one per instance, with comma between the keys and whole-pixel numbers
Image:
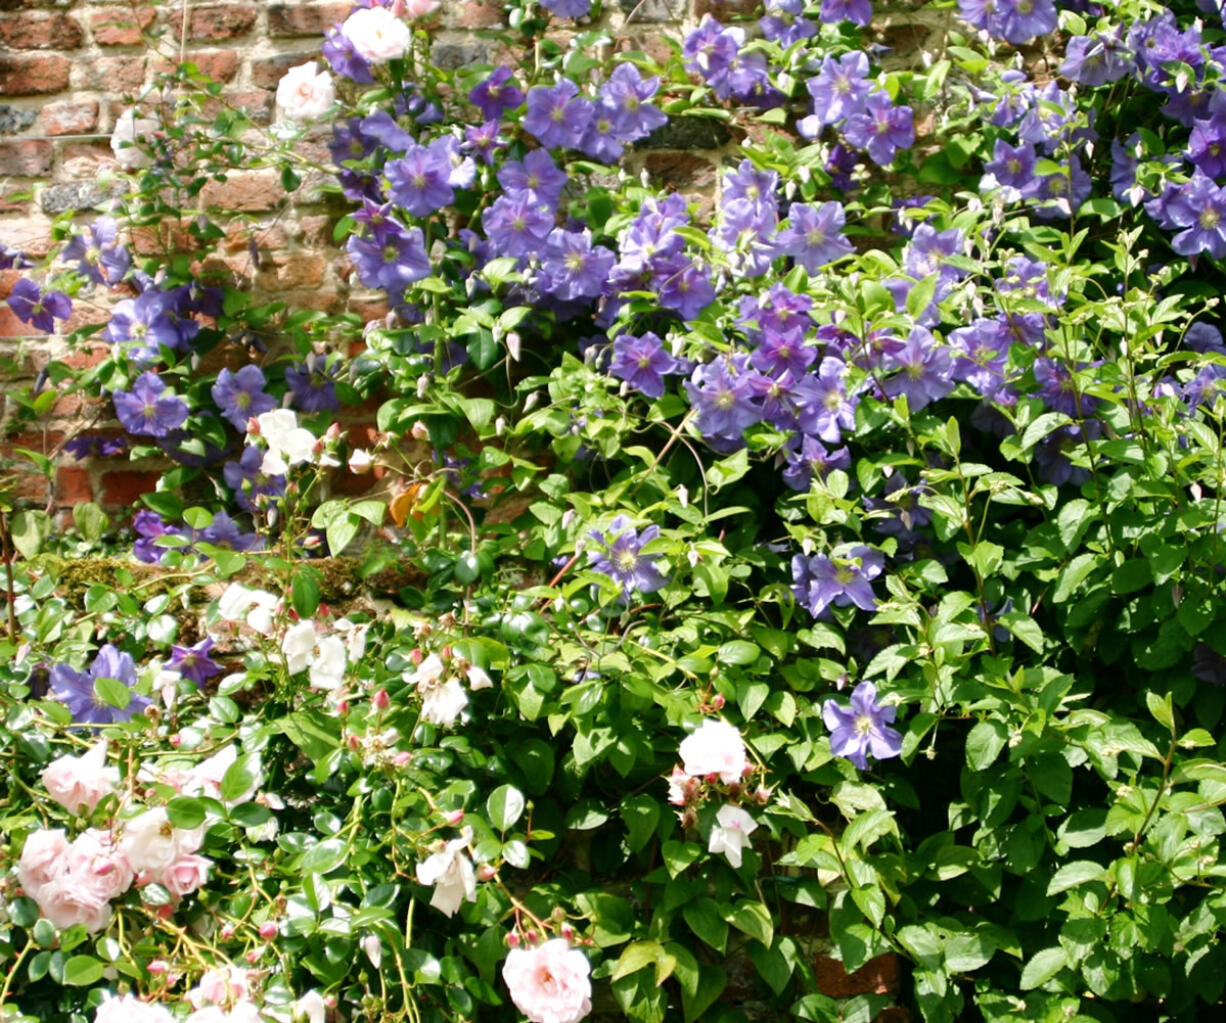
[
  {"x": 113, "y": 692},
  {"x": 29, "y": 530},
  {"x": 1073, "y": 874},
  {"x": 984, "y": 743},
  {"x": 91, "y": 521},
  {"x": 640, "y": 813},
  {"x": 304, "y": 591},
  {"x": 505, "y": 806},
  {"x": 340, "y": 532},
  {"x": 324, "y": 857},
  {"x": 1042, "y": 967},
  {"x": 753, "y": 919},
  {"x": 705, "y": 920},
  {"x": 185, "y": 812},
  {"x": 241, "y": 778},
  {"x": 1132, "y": 575},
  {"x": 701, "y": 985},
  {"x": 81, "y": 971},
  {"x": 1024, "y": 628},
  {"x": 738, "y": 651},
  {"x": 640, "y": 954},
  {"x": 678, "y": 856},
  {"x": 1161, "y": 710}
]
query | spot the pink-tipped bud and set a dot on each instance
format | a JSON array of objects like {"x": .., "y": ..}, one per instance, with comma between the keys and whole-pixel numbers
[
  {"x": 311, "y": 540},
  {"x": 330, "y": 1001},
  {"x": 158, "y": 966},
  {"x": 253, "y": 427},
  {"x": 486, "y": 873},
  {"x": 445, "y": 653},
  {"x": 419, "y": 431},
  {"x": 175, "y": 740},
  {"x": 402, "y": 759},
  {"x": 268, "y": 930},
  {"x": 567, "y": 932},
  {"x": 354, "y": 743},
  {"x": 333, "y": 433},
  {"x": 454, "y": 817},
  {"x": 227, "y": 931},
  {"x": 513, "y": 940},
  {"x": 342, "y": 707},
  {"x": 252, "y": 957},
  {"x": 416, "y": 657},
  {"x": 717, "y": 701},
  {"x": 381, "y": 701}
]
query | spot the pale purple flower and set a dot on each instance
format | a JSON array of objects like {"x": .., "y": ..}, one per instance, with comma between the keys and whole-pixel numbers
[
  {"x": 241, "y": 395},
  {"x": 620, "y": 556},
  {"x": 863, "y": 728},
  {"x": 881, "y": 129},
  {"x": 842, "y": 578},
  {"x": 149, "y": 410},
  {"x": 496, "y": 94},
  {"x": 814, "y": 235},
  {"x": 36, "y": 308},
  {"x": 557, "y": 116},
  {"x": 194, "y": 662},
  {"x": 643, "y": 362},
  {"x": 78, "y": 689},
  {"x": 858, "y": 12}
]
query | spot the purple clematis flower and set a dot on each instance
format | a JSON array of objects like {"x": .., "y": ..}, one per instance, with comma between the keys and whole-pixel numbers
[
  {"x": 863, "y": 728},
  {"x": 98, "y": 253},
  {"x": 78, "y": 689},
  {"x": 814, "y": 235},
  {"x": 241, "y": 395},
  {"x": 312, "y": 384},
  {"x": 148, "y": 410},
  {"x": 643, "y": 363},
  {"x": 194, "y": 662},
  {"x": 621, "y": 557},
  {"x": 37, "y": 309},
  {"x": 881, "y": 129},
  {"x": 558, "y": 117},
  {"x": 496, "y": 94},
  {"x": 841, "y": 579}
]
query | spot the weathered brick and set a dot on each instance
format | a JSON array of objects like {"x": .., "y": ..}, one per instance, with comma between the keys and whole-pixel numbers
[
  {"x": 30, "y": 234},
  {"x": 476, "y": 14},
  {"x": 308, "y": 19},
  {"x": 459, "y": 55},
  {"x": 221, "y": 22},
  {"x": 120, "y": 26},
  {"x": 34, "y": 32},
  {"x": 681, "y": 171},
  {"x": 723, "y": 10},
  {"x": 257, "y": 105},
  {"x": 219, "y": 65},
  {"x": 653, "y": 10},
  {"x": 72, "y": 117},
  {"x": 33, "y": 76},
  {"x": 123, "y": 487},
  {"x": 878, "y": 976},
  {"x": 73, "y": 486},
  {"x": 245, "y": 191},
  {"x": 87, "y": 356},
  {"x": 28, "y": 157},
  {"x": 369, "y": 307},
  {"x": 267, "y": 73},
  {"x": 73, "y": 195},
  {"x": 14, "y": 120},
  {"x": 122, "y": 76}
]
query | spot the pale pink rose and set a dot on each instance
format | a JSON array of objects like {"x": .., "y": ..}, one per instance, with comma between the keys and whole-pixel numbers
[
  {"x": 549, "y": 983},
  {"x": 377, "y": 34},
  {"x": 305, "y": 93},
  {"x": 70, "y": 900},
  {"x": 298, "y": 646},
  {"x": 715, "y": 748},
  {"x": 43, "y": 858},
  {"x": 221, "y": 986},
  {"x": 130, "y": 1009},
  {"x": 78, "y": 784},
  {"x": 100, "y": 864},
  {"x": 152, "y": 843},
  {"x": 419, "y": 8},
  {"x": 129, "y": 133},
  {"x": 312, "y": 1004},
  {"x": 451, "y": 874},
  {"x": 205, "y": 778},
  {"x": 730, "y": 835},
  {"x": 186, "y": 874},
  {"x": 328, "y": 665},
  {"x": 443, "y": 704}
]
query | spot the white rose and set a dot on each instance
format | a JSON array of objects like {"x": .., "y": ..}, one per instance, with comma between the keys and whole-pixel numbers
[
  {"x": 451, "y": 873},
  {"x": 715, "y": 748},
  {"x": 44, "y": 857},
  {"x": 328, "y": 669},
  {"x": 443, "y": 704},
  {"x": 130, "y": 1009},
  {"x": 377, "y": 34},
  {"x": 129, "y": 131},
  {"x": 288, "y": 443},
  {"x": 298, "y": 646},
  {"x": 305, "y": 95},
  {"x": 151, "y": 843},
  {"x": 731, "y": 833},
  {"x": 550, "y": 983}
]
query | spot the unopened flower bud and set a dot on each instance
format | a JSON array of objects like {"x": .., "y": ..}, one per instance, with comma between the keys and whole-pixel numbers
[
  {"x": 342, "y": 707},
  {"x": 513, "y": 940},
  {"x": 454, "y": 817},
  {"x": 419, "y": 431},
  {"x": 402, "y": 759},
  {"x": 268, "y": 930},
  {"x": 158, "y": 966},
  {"x": 717, "y": 701},
  {"x": 253, "y": 427},
  {"x": 360, "y": 462},
  {"x": 380, "y": 701},
  {"x": 175, "y": 740},
  {"x": 567, "y": 932},
  {"x": 227, "y": 931},
  {"x": 485, "y": 872}
]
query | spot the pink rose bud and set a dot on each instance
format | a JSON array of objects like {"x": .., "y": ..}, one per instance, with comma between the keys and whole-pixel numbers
[
  {"x": 312, "y": 541},
  {"x": 454, "y": 817},
  {"x": 333, "y": 432},
  {"x": 227, "y": 931},
  {"x": 402, "y": 759},
  {"x": 416, "y": 657},
  {"x": 381, "y": 701},
  {"x": 253, "y": 427},
  {"x": 330, "y": 1001},
  {"x": 420, "y": 431},
  {"x": 252, "y": 956},
  {"x": 486, "y": 873},
  {"x": 175, "y": 740},
  {"x": 567, "y": 932},
  {"x": 158, "y": 966},
  {"x": 268, "y": 930},
  {"x": 354, "y": 743},
  {"x": 342, "y": 706},
  {"x": 717, "y": 701},
  {"x": 513, "y": 940}
]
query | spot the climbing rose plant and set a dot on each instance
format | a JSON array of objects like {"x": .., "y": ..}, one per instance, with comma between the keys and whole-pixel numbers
[{"x": 828, "y": 565}]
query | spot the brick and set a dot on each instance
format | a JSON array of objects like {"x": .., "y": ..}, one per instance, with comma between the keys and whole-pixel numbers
[
  {"x": 681, "y": 171},
  {"x": 323, "y": 299},
  {"x": 30, "y": 234},
  {"x": 16, "y": 198},
  {"x": 267, "y": 73},
  {"x": 122, "y": 76},
  {"x": 122, "y": 487},
  {"x": 239, "y": 237},
  {"x": 14, "y": 120},
  {"x": 71, "y": 117},
  {"x": 219, "y": 65},
  {"x": 18, "y": 5},
  {"x": 369, "y": 307},
  {"x": 28, "y": 158},
  {"x": 307, "y": 19},
  {"x": 459, "y": 55},
  {"x": 317, "y": 230},
  {"x": 121, "y": 26},
  {"x": 245, "y": 191},
  {"x": 878, "y": 976},
  {"x": 476, "y": 14},
  {"x": 214, "y": 23},
  {"x": 287, "y": 271},
  {"x": 33, "y": 76},
  {"x": 653, "y": 10},
  {"x": 75, "y": 195},
  {"x": 723, "y": 10},
  {"x": 73, "y": 486},
  {"x": 87, "y": 357},
  {"x": 32, "y": 32}
]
